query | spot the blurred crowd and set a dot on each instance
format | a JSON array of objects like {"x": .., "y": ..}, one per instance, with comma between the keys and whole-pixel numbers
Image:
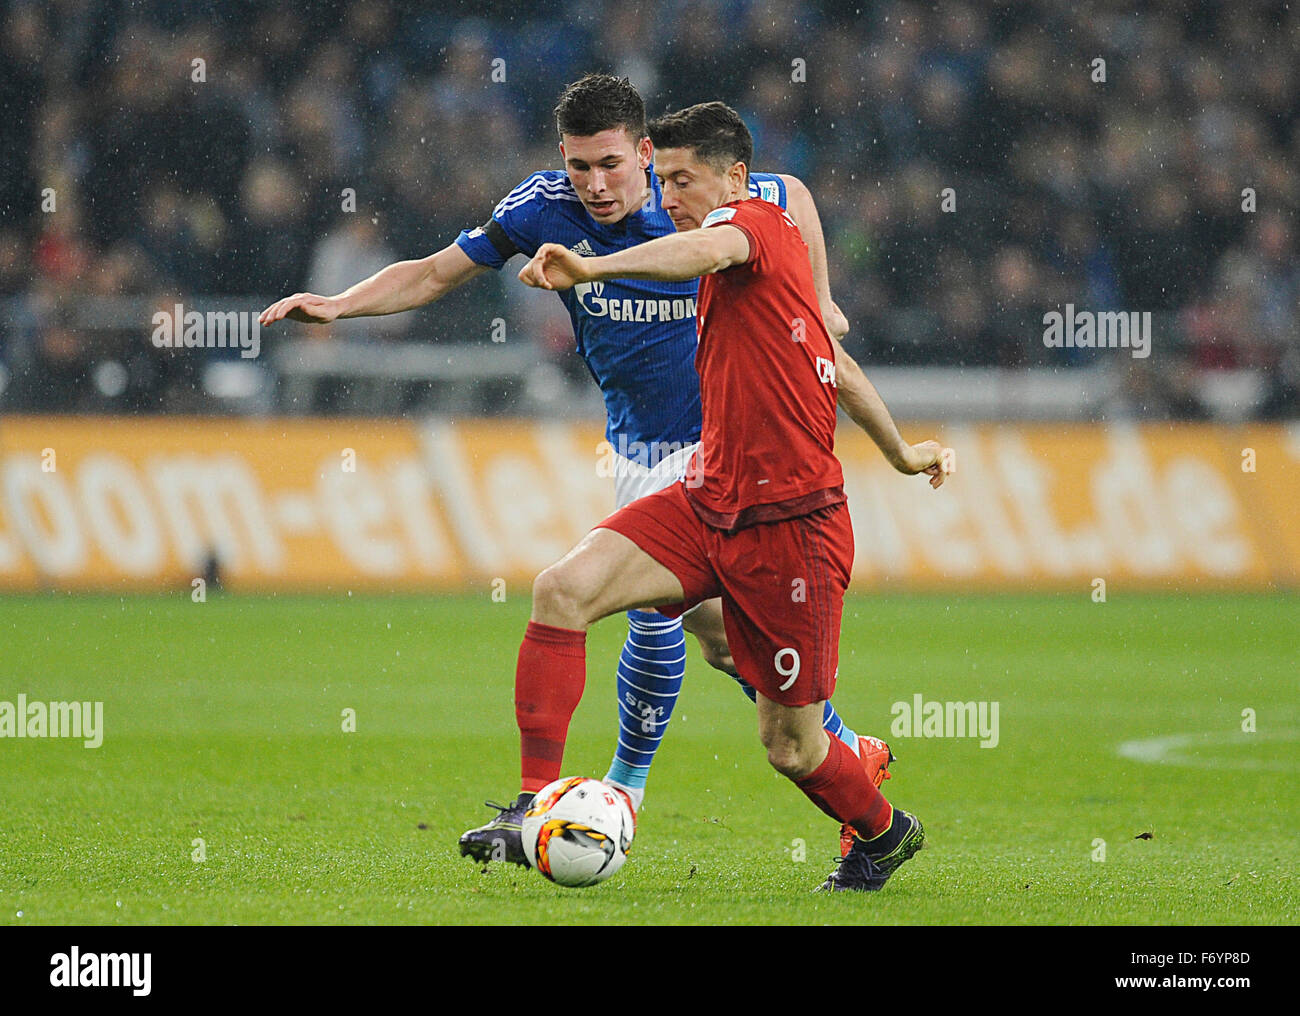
[{"x": 975, "y": 165}]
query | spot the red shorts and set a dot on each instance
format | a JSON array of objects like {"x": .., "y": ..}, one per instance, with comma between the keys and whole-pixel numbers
[{"x": 782, "y": 586}]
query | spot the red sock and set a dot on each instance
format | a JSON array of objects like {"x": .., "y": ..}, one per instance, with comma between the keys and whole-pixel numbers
[
  {"x": 549, "y": 680},
  {"x": 840, "y": 787}
]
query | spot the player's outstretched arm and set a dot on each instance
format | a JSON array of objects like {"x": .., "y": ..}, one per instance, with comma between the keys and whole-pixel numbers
[
  {"x": 673, "y": 258},
  {"x": 401, "y": 286},
  {"x": 803, "y": 209},
  {"x": 859, "y": 398}
]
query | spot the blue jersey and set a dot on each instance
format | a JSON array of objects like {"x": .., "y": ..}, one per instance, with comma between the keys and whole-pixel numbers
[{"x": 637, "y": 336}]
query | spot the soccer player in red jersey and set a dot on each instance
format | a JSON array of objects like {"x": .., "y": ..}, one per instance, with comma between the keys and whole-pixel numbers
[
  {"x": 760, "y": 518},
  {"x": 640, "y": 357}
]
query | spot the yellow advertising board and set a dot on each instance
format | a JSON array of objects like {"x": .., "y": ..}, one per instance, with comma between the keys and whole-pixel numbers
[{"x": 367, "y": 505}]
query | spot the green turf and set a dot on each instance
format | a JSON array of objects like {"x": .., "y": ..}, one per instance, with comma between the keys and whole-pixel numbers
[{"x": 223, "y": 722}]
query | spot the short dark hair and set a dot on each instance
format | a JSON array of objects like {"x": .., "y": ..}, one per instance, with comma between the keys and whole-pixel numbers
[
  {"x": 600, "y": 102},
  {"x": 713, "y": 130}
]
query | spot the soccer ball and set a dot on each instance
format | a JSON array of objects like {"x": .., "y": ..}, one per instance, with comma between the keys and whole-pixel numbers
[{"x": 578, "y": 831}]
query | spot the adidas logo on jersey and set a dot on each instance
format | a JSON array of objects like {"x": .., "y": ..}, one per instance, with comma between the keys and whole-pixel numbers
[{"x": 583, "y": 248}]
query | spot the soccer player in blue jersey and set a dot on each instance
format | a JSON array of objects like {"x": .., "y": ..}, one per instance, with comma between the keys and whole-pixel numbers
[{"x": 638, "y": 338}]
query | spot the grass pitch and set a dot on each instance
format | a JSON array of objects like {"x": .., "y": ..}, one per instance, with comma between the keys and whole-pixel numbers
[{"x": 226, "y": 789}]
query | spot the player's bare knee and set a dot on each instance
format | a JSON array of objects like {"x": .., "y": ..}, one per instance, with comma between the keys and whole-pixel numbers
[
  {"x": 558, "y": 598},
  {"x": 784, "y": 760},
  {"x": 791, "y": 755},
  {"x": 785, "y": 756},
  {"x": 718, "y": 656}
]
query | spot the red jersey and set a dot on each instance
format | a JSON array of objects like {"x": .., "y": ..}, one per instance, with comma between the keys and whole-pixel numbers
[{"x": 767, "y": 381}]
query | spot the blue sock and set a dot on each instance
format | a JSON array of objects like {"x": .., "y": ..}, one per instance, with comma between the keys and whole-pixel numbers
[
  {"x": 832, "y": 722},
  {"x": 650, "y": 673},
  {"x": 834, "y": 725}
]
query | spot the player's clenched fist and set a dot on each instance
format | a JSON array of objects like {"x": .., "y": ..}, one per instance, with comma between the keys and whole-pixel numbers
[
  {"x": 308, "y": 307},
  {"x": 930, "y": 458},
  {"x": 836, "y": 323},
  {"x": 553, "y": 267}
]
